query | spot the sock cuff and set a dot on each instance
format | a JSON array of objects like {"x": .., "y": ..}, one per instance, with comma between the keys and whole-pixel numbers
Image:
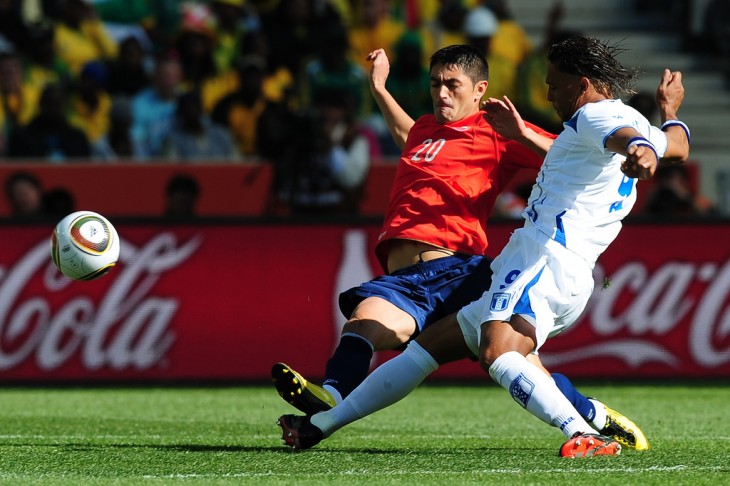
[
  {"x": 600, "y": 417},
  {"x": 357, "y": 336},
  {"x": 503, "y": 363},
  {"x": 421, "y": 358}
]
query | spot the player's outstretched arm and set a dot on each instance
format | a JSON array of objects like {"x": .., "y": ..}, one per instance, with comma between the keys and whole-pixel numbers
[
  {"x": 507, "y": 121},
  {"x": 398, "y": 121},
  {"x": 669, "y": 97},
  {"x": 641, "y": 156}
]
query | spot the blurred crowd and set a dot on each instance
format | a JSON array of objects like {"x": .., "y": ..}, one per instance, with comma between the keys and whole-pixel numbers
[{"x": 276, "y": 81}]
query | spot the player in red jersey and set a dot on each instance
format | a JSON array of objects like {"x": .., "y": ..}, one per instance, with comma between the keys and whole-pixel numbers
[{"x": 433, "y": 242}]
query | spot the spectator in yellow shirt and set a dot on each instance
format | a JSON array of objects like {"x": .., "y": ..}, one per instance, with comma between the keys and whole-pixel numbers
[
  {"x": 18, "y": 100},
  {"x": 479, "y": 27},
  {"x": 90, "y": 105},
  {"x": 80, "y": 37},
  {"x": 41, "y": 63},
  {"x": 446, "y": 28},
  {"x": 374, "y": 28},
  {"x": 510, "y": 41},
  {"x": 241, "y": 111}
]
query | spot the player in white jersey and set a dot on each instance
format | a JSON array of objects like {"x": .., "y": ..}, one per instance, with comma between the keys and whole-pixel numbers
[
  {"x": 573, "y": 213},
  {"x": 542, "y": 279},
  {"x": 581, "y": 195}
]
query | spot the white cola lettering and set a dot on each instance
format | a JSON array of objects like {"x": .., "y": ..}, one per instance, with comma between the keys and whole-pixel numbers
[
  {"x": 649, "y": 305},
  {"x": 712, "y": 321},
  {"x": 127, "y": 328},
  {"x": 658, "y": 304}
]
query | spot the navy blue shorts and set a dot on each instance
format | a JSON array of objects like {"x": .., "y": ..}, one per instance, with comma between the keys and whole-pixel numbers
[{"x": 428, "y": 290}]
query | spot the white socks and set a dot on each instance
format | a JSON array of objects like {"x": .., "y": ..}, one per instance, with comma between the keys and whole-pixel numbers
[
  {"x": 395, "y": 379},
  {"x": 601, "y": 417},
  {"x": 537, "y": 392},
  {"x": 387, "y": 384}
]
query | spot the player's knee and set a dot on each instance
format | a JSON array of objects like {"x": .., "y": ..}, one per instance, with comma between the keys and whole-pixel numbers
[
  {"x": 500, "y": 337},
  {"x": 382, "y": 336},
  {"x": 488, "y": 356}
]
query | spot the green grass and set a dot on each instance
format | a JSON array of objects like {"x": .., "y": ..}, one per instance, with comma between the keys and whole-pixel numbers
[{"x": 438, "y": 435}]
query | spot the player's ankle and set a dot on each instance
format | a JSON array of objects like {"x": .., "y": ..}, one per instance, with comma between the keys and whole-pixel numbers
[
  {"x": 600, "y": 418},
  {"x": 334, "y": 392}
]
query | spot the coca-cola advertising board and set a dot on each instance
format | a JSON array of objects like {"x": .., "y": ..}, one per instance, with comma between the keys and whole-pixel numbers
[{"x": 226, "y": 301}]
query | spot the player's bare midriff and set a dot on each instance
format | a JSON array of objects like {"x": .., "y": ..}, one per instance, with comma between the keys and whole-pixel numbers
[{"x": 403, "y": 253}]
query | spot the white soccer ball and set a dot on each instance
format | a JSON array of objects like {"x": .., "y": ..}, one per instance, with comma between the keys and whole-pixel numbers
[{"x": 84, "y": 245}]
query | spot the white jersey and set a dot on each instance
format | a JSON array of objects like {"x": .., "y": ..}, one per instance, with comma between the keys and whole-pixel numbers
[{"x": 581, "y": 195}]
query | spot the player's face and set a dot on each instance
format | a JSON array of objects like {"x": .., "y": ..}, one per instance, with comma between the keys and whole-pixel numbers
[
  {"x": 564, "y": 92},
  {"x": 453, "y": 94}
]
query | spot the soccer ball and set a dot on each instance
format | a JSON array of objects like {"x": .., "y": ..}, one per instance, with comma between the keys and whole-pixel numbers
[{"x": 84, "y": 245}]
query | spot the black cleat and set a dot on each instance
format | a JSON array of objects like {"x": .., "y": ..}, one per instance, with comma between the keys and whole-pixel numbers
[{"x": 298, "y": 432}]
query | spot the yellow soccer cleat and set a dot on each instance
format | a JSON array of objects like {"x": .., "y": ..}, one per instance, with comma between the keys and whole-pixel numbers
[
  {"x": 294, "y": 389},
  {"x": 624, "y": 431}
]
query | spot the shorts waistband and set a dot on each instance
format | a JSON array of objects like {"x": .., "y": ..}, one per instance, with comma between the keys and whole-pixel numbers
[{"x": 436, "y": 264}]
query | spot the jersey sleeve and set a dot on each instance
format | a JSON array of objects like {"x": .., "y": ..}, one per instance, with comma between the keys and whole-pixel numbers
[
  {"x": 597, "y": 122},
  {"x": 659, "y": 139}
]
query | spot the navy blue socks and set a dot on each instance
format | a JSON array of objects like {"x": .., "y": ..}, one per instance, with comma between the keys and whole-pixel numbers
[
  {"x": 349, "y": 365},
  {"x": 582, "y": 404}
]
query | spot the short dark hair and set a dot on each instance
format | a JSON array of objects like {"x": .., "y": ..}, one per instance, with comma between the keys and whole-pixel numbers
[
  {"x": 183, "y": 183},
  {"x": 59, "y": 202},
  {"x": 467, "y": 58},
  {"x": 589, "y": 57}
]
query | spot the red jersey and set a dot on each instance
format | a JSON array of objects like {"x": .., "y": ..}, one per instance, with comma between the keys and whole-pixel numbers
[{"x": 447, "y": 181}]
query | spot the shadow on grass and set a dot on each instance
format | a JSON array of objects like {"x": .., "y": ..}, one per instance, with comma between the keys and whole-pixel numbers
[
  {"x": 82, "y": 447},
  {"x": 206, "y": 448}
]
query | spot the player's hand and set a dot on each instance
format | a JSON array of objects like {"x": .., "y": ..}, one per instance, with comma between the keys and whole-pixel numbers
[
  {"x": 640, "y": 163},
  {"x": 670, "y": 93},
  {"x": 504, "y": 117},
  {"x": 379, "y": 69}
]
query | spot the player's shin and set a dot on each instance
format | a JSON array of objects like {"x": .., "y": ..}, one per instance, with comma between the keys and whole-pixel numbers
[
  {"x": 348, "y": 366},
  {"x": 389, "y": 383},
  {"x": 537, "y": 392},
  {"x": 588, "y": 409}
]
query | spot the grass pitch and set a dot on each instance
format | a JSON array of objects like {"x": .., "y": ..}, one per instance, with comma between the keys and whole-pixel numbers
[{"x": 438, "y": 435}]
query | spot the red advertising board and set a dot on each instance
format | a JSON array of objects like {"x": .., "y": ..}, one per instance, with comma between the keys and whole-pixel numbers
[
  {"x": 228, "y": 190},
  {"x": 226, "y": 301}
]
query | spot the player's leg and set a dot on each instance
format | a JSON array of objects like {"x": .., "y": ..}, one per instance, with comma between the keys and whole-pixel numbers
[
  {"x": 496, "y": 332},
  {"x": 585, "y": 407},
  {"x": 411, "y": 300},
  {"x": 503, "y": 355},
  {"x": 375, "y": 325},
  {"x": 402, "y": 374},
  {"x": 389, "y": 383},
  {"x": 503, "y": 350},
  {"x": 396, "y": 378},
  {"x": 605, "y": 420},
  {"x": 384, "y": 314},
  {"x": 533, "y": 296}
]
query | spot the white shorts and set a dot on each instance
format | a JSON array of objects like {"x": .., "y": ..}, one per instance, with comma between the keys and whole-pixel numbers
[{"x": 537, "y": 278}]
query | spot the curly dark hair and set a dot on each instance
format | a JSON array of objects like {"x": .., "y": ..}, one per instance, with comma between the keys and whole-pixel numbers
[
  {"x": 589, "y": 57},
  {"x": 467, "y": 58}
]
